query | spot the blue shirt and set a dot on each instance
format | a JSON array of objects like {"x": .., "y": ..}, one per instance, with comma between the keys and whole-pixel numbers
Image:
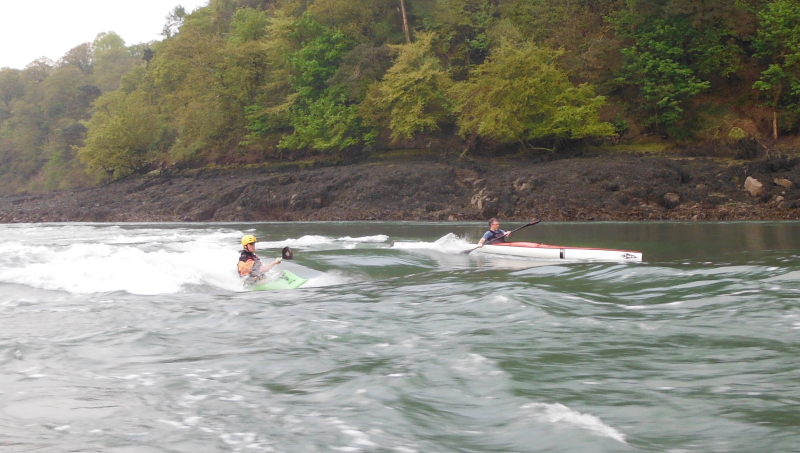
[{"x": 489, "y": 235}]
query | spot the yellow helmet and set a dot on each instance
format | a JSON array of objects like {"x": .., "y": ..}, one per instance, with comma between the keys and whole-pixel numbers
[{"x": 248, "y": 239}]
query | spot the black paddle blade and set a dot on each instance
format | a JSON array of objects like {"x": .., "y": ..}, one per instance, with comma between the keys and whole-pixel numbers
[{"x": 286, "y": 253}]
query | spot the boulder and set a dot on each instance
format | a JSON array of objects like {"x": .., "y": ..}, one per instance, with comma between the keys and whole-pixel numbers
[
  {"x": 671, "y": 200},
  {"x": 753, "y": 186},
  {"x": 466, "y": 176},
  {"x": 478, "y": 199},
  {"x": 521, "y": 186},
  {"x": 783, "y": 182}
]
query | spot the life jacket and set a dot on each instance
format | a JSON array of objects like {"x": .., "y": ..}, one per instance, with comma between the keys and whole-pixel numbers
[
  {"x": 247, "y": 263},
  {"x": 495, "y": 236}
]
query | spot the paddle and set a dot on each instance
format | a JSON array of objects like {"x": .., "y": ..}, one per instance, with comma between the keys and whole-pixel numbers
[{"x": 467, "y": 252}]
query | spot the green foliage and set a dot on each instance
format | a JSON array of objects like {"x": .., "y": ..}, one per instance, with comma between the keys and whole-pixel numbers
[
  {"x": 664, "y": 84},
  {"x": 107, "y": 42},
  {"x": 268, "y": 115},
  {"x": 737, "y": 133},
  {"x": 174, "y": 21},
  {"x": 319, "y": 114},
  {"x": 326, "y": 123},
  {"x": 62, "y": 94},
  {"x": 321, "y": 50},
  {"x": 778, "y": 44},
  {"x": 520, "y": 94},
  {"x": 360, "y": 68},
  {"x": 248, "y": 25},
  {"x": 123, "y": 134},
  {"x": 563, "y": 23},
  {"x": 12, "y": 87},
  {"x": 202, "y": 81},
  {"x": 358, "y": 21},
  {"x": 462, "y": 29},
  {"x": 675, "y": 50},
  {"x": 112, "y": 60},
  {"x": 243, "y": 79},
  {"x": 412, "y": 97},
  {"x": 80, "y": 57}
]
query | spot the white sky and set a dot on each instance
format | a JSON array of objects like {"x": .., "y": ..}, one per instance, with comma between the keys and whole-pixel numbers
[{"x": 49, "y": 28}]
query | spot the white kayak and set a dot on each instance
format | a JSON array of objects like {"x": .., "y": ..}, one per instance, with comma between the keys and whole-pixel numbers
[{"x": 558, "y": 252}]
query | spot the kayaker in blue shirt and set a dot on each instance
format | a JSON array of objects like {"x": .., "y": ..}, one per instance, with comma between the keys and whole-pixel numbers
[{"x": 494, "y": 234}]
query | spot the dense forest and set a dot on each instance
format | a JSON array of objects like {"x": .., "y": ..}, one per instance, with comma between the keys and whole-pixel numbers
[{"x": 249, "y": 81}]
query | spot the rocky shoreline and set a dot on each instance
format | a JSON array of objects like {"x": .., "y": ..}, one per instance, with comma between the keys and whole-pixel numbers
[{"x": 622, "y": 187}]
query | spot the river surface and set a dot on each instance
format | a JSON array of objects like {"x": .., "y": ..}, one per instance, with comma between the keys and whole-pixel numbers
[{"x": 139, "y": 338}]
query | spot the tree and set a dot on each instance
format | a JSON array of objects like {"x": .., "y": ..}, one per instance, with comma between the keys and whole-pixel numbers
[
  {"x": 412, "y": 96},
  {"x": 320, "y": 115},
  {"x": 174, "y": 21},
  {"x": 462, "y": 30},
  {"x": 80, "y": 57},
  {"x": 122, "y": 134},
  {"x": 246, "y": 64},
  {"x": 201, "y": 83},
  {"x": 356, "y": 20},
  {"x": 112, "y": 60},
  {"x": 676, "y": 50},
  {"x": 325, "y": 123},
  {"x": 12, "y": 87},
  {"x": 656, "y": 66},
  {"x": 61, "y": 93},
  {"x": 778, "y": 44},
  {"x": 519, "y": 94},
  {"x": 360, "y": 68}
]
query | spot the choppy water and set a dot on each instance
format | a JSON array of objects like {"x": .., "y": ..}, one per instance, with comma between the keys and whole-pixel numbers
[{"x": 138, "y": 338}]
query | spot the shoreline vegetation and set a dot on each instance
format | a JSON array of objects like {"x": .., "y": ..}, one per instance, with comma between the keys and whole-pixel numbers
[{"x": 415, "y": 109}]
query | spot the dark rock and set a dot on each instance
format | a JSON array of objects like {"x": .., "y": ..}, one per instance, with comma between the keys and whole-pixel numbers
[{"x": 618, "y": 187}]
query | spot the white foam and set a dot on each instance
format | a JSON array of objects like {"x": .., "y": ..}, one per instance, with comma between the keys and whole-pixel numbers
[
  {"x": 141, "y": 259},
  {"x": 449, "y": 243},
  {"x": 93, "y": 263},
  {"x": 327, "y": 279},
  {"x": 311, "y": 241},
  {"x": 558, "y": 413}
]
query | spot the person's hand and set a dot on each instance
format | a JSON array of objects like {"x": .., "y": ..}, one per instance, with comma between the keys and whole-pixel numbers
[
  {"x": 508, "y": 233},
  {"x": 278, "y": 260}
]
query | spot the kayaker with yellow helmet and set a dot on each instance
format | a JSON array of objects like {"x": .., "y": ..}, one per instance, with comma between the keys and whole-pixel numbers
[{"x": 250, "y": 265}]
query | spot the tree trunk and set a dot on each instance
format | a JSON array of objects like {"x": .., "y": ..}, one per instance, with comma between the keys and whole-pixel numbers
[
  {"x": 774, "y": 124},
  {"x": 405, "y": 20}
]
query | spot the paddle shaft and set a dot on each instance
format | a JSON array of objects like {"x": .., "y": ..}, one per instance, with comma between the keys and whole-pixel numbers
[{"x": 497, "y": 239}]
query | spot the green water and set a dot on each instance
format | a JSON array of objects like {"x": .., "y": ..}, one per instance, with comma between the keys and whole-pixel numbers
[{"x": 139, "y": 338}]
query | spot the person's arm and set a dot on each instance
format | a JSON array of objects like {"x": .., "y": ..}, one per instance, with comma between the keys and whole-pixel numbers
[
  {"x": 263, "y": 269},
  {"x": 274, "y": 263},
  {"x": 486, "y": 236}
]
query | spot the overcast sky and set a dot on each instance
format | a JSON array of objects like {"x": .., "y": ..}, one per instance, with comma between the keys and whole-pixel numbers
[{"x": 30, "y": 29}]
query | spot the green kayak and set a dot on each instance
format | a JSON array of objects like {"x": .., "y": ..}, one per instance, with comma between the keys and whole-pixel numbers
[{"x": 286, "y": 281}]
